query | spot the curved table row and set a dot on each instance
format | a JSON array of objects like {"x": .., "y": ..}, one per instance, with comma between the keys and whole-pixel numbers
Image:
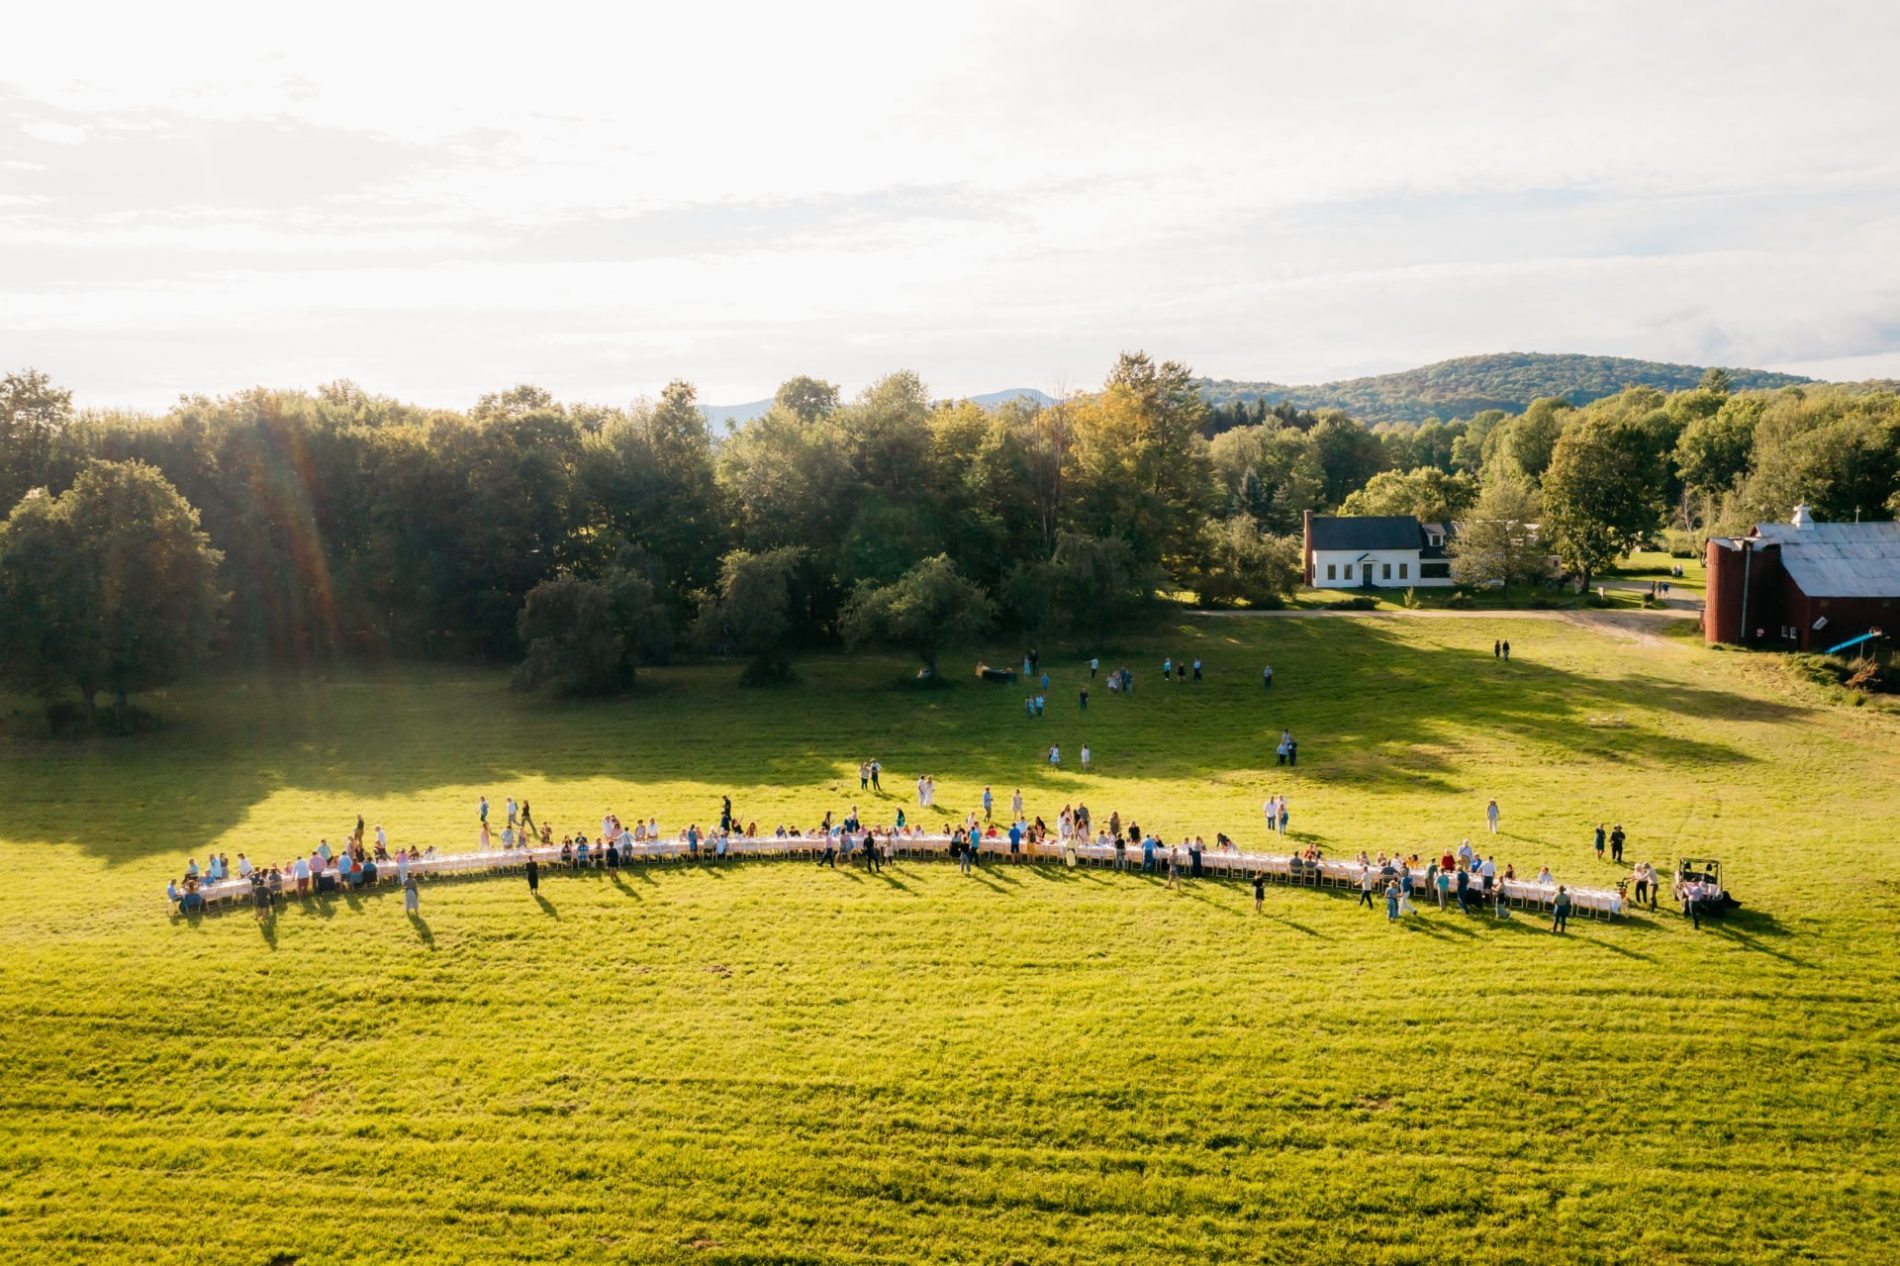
[{"x": 1283, "y": 867}]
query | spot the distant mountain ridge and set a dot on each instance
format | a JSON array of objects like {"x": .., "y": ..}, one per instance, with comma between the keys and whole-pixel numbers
[
  {"x": 717, "y": 415},
  {"x": 1470, "y": 384}
]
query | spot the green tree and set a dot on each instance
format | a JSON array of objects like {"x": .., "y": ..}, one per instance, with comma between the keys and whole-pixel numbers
[
  {"x": 927, "y": 608},
  {"x": 1349, "y": 456},
  {"x": 1526, "y": 441},
  {"x": 1426, "y": 493},
  {"x": 33, "y": 413},
  {"x": 1715, "y": 449},
  {"x": 110, "y": 586},
  {"x": 1497, "y": 541},
  {"x": 1240, "y": 563},
  {"x": 806, "y": 399},
  {"x": 572, "y": 647},
  {"x": 1600, "y": 493},
  {"x": 751, "y": 614}
]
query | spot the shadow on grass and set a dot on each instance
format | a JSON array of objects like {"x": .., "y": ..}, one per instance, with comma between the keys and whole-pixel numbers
[
  {"x": 1377, "y": 709},
  {"x": 421, "y": 926},
  {"x": 547, "y": 907}
]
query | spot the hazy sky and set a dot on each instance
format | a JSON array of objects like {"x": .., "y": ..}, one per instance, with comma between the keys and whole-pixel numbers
[{"x": 599, "y": 198}]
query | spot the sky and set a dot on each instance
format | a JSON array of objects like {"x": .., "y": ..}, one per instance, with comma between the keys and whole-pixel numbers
[{"x": 599, "y": 199}]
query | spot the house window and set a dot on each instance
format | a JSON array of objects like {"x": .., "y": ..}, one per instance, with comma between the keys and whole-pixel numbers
[
  {"x": 1385, "y": 572},
  {"x": 1434, "y": 539},
  {"x": 1402, "y": 567},
  {"x": 1348, "y": 571},
  {"x": 1434, "y": 571},
  {"x": 1332, "y": 571}
]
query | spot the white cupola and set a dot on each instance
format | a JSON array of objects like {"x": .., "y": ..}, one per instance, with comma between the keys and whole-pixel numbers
[{"x": 1803, "y": 520}]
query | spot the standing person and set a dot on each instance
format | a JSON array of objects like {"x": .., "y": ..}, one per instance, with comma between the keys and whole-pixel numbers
[
  {"x": 484, "y": 810},
  {"x": 534, "y": 875},
  {"x": 411, "y": 895},
  {"x": 1616, "y": 843},
  {"x": 1507, "y": 650},
  {"x": 1286, "y": 740},
  {"x": 1095, "y": 662},
  {"x": 989, "y": 802},
  {"x": 1391, "y": 901},
  {"x": 877, "y": 774},
  {"x": 1560, "y": 910},
  {"x": 1259, "y": 891},
  {"x": 1083, "y": 699},
  {"x": 1284, "y": 815},
  {"x": 1491, "y": 816},
  {"x": 1464, "y": 890},
  {"x": 1642, "y": 882},
  {"x": 864, "y": 775},
  {"x": 1197, "y": 668},
  {"x": 1016, "y": 804},
  {"x": 1292, "y": 751},
  {"x": 513, "y": 818},
  {"x": 1497, "y": 649},
  {"x": 1121, "y": 851},
  {"x": 1444, "y": 887},
  {"x": 1266, "y": 677},
  {"x": 1174, "y": 866},
  {"x": 1044, "y": 682},
  {"x": 1367, "y": 881},
  {"x": 485, "y": 836},
  {"x": 1055, "y": 756},
  {"x": 1085, "y": 758},
  {"x": 1599, "y": 841},
  {"x": 527, "y": 814}
]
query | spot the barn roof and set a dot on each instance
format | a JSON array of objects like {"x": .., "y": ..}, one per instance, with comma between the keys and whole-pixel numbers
[
  {"x": 1839, "y": 560},
  {"x": 1367, "y": 531}
]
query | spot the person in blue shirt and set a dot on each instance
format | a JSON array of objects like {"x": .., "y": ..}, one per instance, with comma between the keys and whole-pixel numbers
[
  {"x": 1147, "y": 854},
  {"x": 1015, "y": 841},
  {"x": 989, "y": 802}
]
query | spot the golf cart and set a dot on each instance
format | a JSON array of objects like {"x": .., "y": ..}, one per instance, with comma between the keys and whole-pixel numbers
[{"x": 1699, "y": 879}]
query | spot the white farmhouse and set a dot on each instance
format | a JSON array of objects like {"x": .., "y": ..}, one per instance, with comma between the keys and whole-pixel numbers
[{"x": 1376, "y": 552}]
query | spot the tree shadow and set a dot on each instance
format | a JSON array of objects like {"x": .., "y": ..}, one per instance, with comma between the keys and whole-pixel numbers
[{"x": 1370, "y": 703}]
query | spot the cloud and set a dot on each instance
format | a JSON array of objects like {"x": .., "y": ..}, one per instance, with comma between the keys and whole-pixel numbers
[{"x": 986, "y": 193}]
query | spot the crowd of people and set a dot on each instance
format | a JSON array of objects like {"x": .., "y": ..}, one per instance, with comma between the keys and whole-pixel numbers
[{"x": 1403, "y": 881}]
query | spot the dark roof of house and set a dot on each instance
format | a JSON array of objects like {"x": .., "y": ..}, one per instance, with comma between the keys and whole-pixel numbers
[
  {"x": 1365, "y": 532},
  {"x": 1838, "y": 560}
]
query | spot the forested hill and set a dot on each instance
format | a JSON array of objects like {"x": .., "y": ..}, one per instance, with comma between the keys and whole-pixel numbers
[{"x": 1470, "y": 384}]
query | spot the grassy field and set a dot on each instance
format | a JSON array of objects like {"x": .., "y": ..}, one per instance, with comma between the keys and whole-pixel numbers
[{"x": 770, "y": 1063}]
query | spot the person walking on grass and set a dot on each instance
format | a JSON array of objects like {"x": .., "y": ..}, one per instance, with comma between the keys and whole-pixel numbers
[
  {"x": 1507, "y": 650},
  {"x": 483, "y": 810},
  {"x": 534, "y": 875},
  {"x": 1174, "y": 866},
  {"x": 1016, "y": 804},
  {"x": 1391, "y": 901},
  {"x": 1259, "y": 891},
  {"x": 989, "y": 803},
  {"x": 1491, "y": 816},
  {"x": 1367, "y": 881},
  {"x": 1600, "y": 837},
  {"x": 1560, "y": 910},
  {"x": 1095, "y": 662},
  {"x": 411, "y": 895},
  {"x": 1085, "y": 758},
  {"x": 1616, "y": 843}
]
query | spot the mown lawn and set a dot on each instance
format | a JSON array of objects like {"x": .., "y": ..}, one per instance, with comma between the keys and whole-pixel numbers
[{"x": 770, "y": 1063}]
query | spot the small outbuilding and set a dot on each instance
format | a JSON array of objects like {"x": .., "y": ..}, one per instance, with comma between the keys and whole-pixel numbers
[{"x": 1803, "y": 585}]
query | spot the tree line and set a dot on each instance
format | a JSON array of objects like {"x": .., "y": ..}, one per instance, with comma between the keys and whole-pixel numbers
[{"x": 582, "y": 541}]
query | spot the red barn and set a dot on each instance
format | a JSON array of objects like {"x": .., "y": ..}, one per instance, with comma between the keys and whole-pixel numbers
[{"x": 1803, "y": 585}]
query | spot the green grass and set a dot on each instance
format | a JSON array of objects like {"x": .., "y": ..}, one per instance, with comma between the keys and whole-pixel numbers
[{"x": 769, "y": 1063}]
